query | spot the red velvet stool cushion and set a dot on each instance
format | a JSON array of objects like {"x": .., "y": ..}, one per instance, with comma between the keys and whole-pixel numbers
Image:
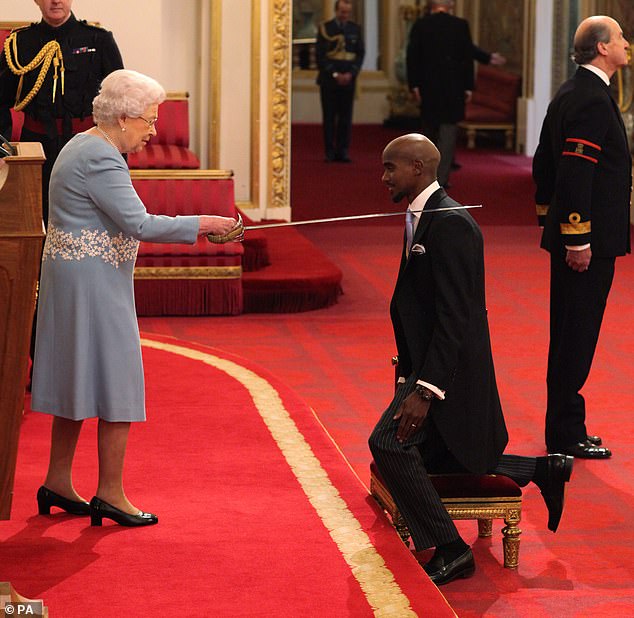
[{"x": 467, "y": 485}]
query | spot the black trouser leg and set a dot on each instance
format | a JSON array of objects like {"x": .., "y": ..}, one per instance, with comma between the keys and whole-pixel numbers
[
  {"x": 404, "y": 471},
  {"x": 328, "y": 110},
  {"x": 577, "y": 305},
  {"x": 345, "y": 102}
]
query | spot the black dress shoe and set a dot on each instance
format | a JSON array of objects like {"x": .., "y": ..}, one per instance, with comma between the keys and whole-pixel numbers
[
  {"x": 100, "y": 509},
  {"x": 441, "y": 572},
  {"x": 596, "y": 440},
  {"x": 47, "y": 498},
  {"x": 587, "y": 450},
  {"x": 552, "y": 485}
]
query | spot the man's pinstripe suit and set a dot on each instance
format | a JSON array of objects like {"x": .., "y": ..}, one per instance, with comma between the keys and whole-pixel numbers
[{"x": 439, "y": 317}]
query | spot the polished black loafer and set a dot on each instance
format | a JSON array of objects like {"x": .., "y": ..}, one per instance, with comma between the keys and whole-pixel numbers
[
  {"x": 47, "y": 498},
  {"x": 442, "y": 573},
  {"x": 587, "y": 450},
  {"x": 552, "y": 484},
  {"x": 100, "y": 509}
]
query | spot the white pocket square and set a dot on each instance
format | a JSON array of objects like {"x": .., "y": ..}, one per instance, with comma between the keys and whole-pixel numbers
[{"x": 417, "y": 249}]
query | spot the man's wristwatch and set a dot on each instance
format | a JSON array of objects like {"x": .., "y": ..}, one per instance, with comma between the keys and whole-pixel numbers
[{"x": 424, "y": 393}]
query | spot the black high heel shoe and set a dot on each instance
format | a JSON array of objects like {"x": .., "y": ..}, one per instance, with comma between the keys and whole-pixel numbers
[
  {"x": 47, "y": 498},
  {"x": 100, "y": 509}
]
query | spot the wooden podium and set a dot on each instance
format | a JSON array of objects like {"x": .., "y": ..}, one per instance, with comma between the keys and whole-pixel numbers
[{"x": 21, "y": 238}]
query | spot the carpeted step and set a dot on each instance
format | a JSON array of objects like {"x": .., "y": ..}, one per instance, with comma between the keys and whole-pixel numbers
[{"x": 299, "y": 278}]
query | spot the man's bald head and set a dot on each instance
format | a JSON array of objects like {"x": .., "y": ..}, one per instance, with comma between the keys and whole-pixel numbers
[
  {"x": 415, "y": 147},
  {"x": 410, "y": 164}
]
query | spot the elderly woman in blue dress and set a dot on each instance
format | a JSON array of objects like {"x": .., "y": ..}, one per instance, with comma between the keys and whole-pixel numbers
[{"x": 88, "y": 354}]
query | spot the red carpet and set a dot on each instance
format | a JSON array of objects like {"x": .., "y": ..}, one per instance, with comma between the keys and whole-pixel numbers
[{"x": 259, "y": 513}]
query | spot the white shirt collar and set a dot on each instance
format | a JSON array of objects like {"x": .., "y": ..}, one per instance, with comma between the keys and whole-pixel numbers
[
  {"x": 597, "y": 71},
  {"x": 421, "y": 199}
]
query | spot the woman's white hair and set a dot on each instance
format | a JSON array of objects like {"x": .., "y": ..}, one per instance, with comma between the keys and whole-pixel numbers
[{"x": 125, "y": 93}]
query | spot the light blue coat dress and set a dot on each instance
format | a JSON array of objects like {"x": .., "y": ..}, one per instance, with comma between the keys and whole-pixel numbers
[{"x": 88, "y": 351}]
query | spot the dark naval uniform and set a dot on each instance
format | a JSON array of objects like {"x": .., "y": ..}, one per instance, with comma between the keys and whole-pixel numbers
[
  {"x": 583, "y": 172},
  {"x": 61, "y": 105},
  {"x": 340, "y": 49}
]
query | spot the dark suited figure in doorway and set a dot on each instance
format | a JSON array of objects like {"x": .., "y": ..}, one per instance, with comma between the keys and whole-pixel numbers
[
  {"x": 440, "y": 74},
  {"x": 340, "y": 52},
  {"x": 446, "y": 414},
  {"x": 583, "y": 172}
]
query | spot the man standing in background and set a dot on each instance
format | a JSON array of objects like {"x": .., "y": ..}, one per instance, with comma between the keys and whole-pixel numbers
[
  {"x": 340, "y": 52},
  {"x": 440, "y": 74},
  {"x": 583, "y": 172}
]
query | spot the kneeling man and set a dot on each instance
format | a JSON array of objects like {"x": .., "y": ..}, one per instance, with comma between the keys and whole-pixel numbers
[{"x": 446, "y": 414}]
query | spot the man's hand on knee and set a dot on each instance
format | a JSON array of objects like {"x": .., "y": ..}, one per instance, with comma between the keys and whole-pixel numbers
[{"x": 412, "y": 414}]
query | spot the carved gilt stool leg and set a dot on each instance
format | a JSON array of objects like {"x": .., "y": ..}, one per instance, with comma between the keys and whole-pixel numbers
[
  {"x": 509, "y": 134},
  {"x": 401, "y": 527},
  {"x": 511, "y": 539},
  {"x": 485, "y": 528}
]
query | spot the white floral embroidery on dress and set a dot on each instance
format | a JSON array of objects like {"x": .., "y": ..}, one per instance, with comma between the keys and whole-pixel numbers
[{"x": 113, "y": 250}]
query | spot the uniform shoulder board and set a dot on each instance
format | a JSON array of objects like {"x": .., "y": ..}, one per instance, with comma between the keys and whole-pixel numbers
[
  {"x": 91, "y": 24},
  {"x": 20, "y": 28}
]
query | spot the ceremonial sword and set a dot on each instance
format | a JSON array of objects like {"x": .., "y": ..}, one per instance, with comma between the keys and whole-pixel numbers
[
  {"x": 352, "y": 217},
  {"x": 238, "y": 232}
]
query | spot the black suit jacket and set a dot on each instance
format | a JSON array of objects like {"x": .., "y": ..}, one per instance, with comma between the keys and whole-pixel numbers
[
  {"x": 440, "y": 63},
  {"x": 439, "y": 316},
  {"x": 583, "y": 170}
]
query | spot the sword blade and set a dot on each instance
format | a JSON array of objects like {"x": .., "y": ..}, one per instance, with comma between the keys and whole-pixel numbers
[{"x": 353, "y": 217}]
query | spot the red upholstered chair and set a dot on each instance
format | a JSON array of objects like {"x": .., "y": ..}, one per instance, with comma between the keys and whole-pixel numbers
[
  {"x": 493, "y": 104},
  {"x": 199, "y": 279},
  {"x": 467, "y": 496},
  {"x": 170, "y": 148}
]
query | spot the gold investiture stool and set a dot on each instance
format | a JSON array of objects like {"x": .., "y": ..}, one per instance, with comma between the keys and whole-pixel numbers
[{"x": 483, "y": 497}]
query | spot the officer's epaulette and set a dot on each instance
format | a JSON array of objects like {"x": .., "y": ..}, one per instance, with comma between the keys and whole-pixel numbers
[
  {"x": 91, "y": 24},
  {"x": 19, "y": 28}
]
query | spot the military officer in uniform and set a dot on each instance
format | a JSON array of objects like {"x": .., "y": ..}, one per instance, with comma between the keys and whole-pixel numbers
[
  {"x": 583, "y": 172},
  {"x": 51, "y": 70},
  {"x": 340, "y": 52}
]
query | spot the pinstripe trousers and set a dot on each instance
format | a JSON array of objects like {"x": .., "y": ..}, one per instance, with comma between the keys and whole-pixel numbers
[{"x": 405, "y": 468}]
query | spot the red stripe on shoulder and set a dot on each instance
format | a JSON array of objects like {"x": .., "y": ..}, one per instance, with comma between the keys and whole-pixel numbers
[
  {"x": 576, "y": 154},
  {"x": 578, "y": 140}
]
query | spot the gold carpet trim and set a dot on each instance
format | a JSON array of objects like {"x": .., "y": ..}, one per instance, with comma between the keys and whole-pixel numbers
[
  {"x": 377, "y": 582},
  {"x": 188, "y": 272}
]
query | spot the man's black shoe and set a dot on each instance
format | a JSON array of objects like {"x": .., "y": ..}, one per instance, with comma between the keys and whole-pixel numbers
[
  {"x": 587, "y": 450},
  {"x": 596, "y": 440},
  {"x": 552, "y": 485},
  {"x": 441, "y": 573}
]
